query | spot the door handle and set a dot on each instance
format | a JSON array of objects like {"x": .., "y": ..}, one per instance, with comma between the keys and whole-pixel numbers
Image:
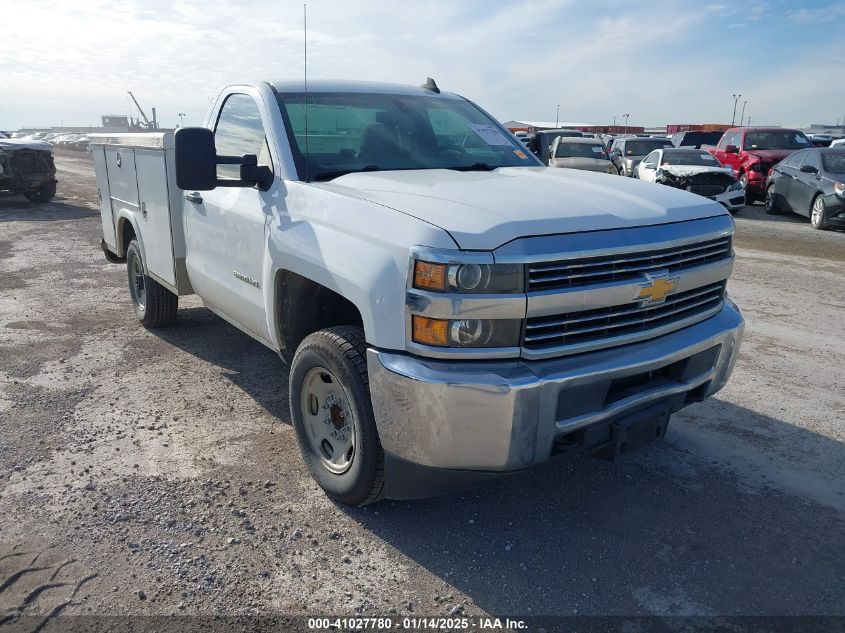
[{"x": 193, "y": 197}]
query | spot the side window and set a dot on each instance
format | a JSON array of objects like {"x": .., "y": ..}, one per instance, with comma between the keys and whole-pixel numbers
[
  {"x": 653, "y": 157},
  {"x": 240, "y": 131},
  {"x": 723, "y": 142},
  {"x": 793, "y": 160},
  {"x": 812, "y": 158}
]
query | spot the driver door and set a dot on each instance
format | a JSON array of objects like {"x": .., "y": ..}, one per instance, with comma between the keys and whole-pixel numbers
[{"x": 225, "y": 228}]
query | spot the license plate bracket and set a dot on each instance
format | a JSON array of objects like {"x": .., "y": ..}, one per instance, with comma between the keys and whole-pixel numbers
[{"x": 637, "y": 430}]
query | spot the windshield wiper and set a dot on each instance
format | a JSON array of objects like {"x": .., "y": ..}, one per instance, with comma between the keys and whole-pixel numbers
[
  {"x": 474, "y": 167},
  {"x": 331, "y": 175}
]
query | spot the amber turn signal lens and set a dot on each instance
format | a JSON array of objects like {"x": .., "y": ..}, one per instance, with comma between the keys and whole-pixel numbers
[
  {"x": 431, "y": 331},
  {"x": 428, "y": 276}
]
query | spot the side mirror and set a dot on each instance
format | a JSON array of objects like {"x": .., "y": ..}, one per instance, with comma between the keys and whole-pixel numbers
[
  {"x": 252, "y": 172},
  {"x": 196, "y": 159},
  {"x": 732, "y": 149},
  {"x": 809, "y": 169}
]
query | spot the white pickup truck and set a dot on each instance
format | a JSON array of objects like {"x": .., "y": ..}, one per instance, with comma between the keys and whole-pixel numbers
[{"x": 450, "y": 309}]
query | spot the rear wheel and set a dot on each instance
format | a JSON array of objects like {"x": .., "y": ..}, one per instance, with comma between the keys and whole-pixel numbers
[
  {"x": 817, "y": 216},
  {"x": 333, "y": 417},
  {"x": 155, "y": 306},
  {"x": 772, "y": 207},
  {"x": 45, "y": 193}
]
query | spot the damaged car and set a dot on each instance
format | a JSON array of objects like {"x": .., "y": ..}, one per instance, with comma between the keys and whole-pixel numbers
[
  {"x": 695, "y": 171},
  {"x": 27, "y": 167}
]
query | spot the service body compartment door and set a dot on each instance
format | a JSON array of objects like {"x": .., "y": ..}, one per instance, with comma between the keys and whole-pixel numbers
[
  {"x": 155, "y": 228},
  {"x": 104, "y": 195},
  {"x": 120, "y": 164}
]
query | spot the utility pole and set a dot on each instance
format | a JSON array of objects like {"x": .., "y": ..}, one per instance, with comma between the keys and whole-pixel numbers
[
  {"x": 557, "y": 116},
  {"x": 180, "y": 115},
  {"x": 626, "y": 123},
  {"x": 742, "y": 114},
  {"x": 736, "y": 98},
  {"x": 614, "y": 124}
]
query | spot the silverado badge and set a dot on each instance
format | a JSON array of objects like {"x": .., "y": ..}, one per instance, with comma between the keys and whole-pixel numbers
[{"x": 656, "y": 288}]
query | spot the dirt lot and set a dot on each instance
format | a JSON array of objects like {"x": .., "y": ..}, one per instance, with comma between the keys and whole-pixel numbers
[{"x": 157, "y": 473}]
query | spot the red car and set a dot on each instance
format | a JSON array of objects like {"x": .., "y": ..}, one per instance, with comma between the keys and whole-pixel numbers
[{"x": 752, "y": 151}]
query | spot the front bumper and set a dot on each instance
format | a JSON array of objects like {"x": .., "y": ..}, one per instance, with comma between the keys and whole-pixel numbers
[
  {"x": 436, "y": 416},
  {"x": 731, "y": 199}
]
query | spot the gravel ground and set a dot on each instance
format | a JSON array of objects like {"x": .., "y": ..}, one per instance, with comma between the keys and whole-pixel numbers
[{"x": 157, "y": 473}]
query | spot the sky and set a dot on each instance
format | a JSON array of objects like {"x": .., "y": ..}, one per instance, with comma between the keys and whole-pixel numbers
[{"x": 66, "y": 62}]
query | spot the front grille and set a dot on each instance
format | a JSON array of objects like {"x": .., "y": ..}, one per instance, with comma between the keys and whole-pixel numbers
[
  {"x": 30, "y": 162},
  {"x": 629, "y": 266},
  {"x": 592, "y": 325},
  {"x": 706, "y": 190}
]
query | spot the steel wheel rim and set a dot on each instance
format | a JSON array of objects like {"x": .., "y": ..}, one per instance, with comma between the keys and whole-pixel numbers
[
  {"x": 744, "y": 180},
  {"x": 328, "y": 420},
  {"x": 770, "y": 199},
  {"x": 136, "y": 282},
  {"x": 818, "y": 211}
]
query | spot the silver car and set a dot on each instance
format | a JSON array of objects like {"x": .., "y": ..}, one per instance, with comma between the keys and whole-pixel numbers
[{"x": 580, "y": 153}]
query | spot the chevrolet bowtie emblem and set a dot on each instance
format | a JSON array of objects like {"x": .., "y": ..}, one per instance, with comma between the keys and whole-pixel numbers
[{"x": 656, "y": 289}]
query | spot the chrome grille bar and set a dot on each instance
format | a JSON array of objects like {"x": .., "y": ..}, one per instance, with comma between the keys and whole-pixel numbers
[
  {"x": 593, "y": 270},
  {"x": 589, "y": 325}
]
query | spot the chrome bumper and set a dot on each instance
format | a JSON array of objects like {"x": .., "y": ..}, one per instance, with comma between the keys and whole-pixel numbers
[{"x": 506, "y": 415}]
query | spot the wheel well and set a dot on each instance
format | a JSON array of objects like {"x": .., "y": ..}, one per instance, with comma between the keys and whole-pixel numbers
[
  {"x": 126, "y": 233},
  {"x": 303, "y": 306}
]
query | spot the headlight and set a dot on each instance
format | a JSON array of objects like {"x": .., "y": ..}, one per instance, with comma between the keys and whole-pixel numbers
[
  {"x": 839, "y": 189},
  {"x": 737, "y": 186},
  {"x": 466, "y": 332},
  {"x": 629, "y": 162},
  {"x": 469, "y": 278}
]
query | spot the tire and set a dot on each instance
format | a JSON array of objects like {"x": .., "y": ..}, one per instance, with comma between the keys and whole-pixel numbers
[
  {"x": 45, "y": 193},
  {"x": 328, "y": 382},
  {"x": 817, "y": 213},
  {"x": 155, "y": 306},
  {"x": 772, "y": 206}
]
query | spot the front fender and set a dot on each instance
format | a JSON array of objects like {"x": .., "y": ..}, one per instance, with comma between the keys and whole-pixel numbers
[{"x": 354, "y": 247}]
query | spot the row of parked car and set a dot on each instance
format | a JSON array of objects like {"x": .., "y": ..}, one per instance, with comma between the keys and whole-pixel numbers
[
  {"x": 785, "y": 168},
  {"x": 66, "y": 141}
]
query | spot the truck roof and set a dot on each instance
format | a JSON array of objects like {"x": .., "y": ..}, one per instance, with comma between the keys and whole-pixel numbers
[{"x": 338, "y": 85}]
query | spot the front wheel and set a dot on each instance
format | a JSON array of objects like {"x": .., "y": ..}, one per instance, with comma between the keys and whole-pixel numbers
[
  {"x": 817, "y": 217},
  {"x": 333, "y": 417},
  {"x": 155, "y": 306},
  {"x": 771, "y": 201}
]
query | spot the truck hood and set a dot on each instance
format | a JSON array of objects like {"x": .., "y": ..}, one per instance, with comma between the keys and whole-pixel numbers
[
  {"x": 10, "y": 144},
  {"x": 483, "y": 210}
]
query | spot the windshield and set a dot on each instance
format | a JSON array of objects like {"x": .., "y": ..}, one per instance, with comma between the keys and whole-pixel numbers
[
  {"x": 834, "y": 162},
  {"x": 351, "y": 132},
  {"x": 699, "y": 138},
  {"x": 776, "y": 139},
  {"x": 641, "y": 148},
  {"x": 689, "y": 158},
  {"x": 581, "y": 150}
]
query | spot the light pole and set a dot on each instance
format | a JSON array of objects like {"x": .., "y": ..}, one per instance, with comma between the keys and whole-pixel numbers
[
  {"x": 180, "y": 115},
  {"x": 626, "y": 123},
  {"x": 742, "y": 114},
  {"x": 557, "y": 116},
  {"x": 736, "y": 98}
]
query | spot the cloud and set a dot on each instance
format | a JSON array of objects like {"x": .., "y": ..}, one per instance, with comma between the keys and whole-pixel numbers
[{"x": 662, "y": 61}]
